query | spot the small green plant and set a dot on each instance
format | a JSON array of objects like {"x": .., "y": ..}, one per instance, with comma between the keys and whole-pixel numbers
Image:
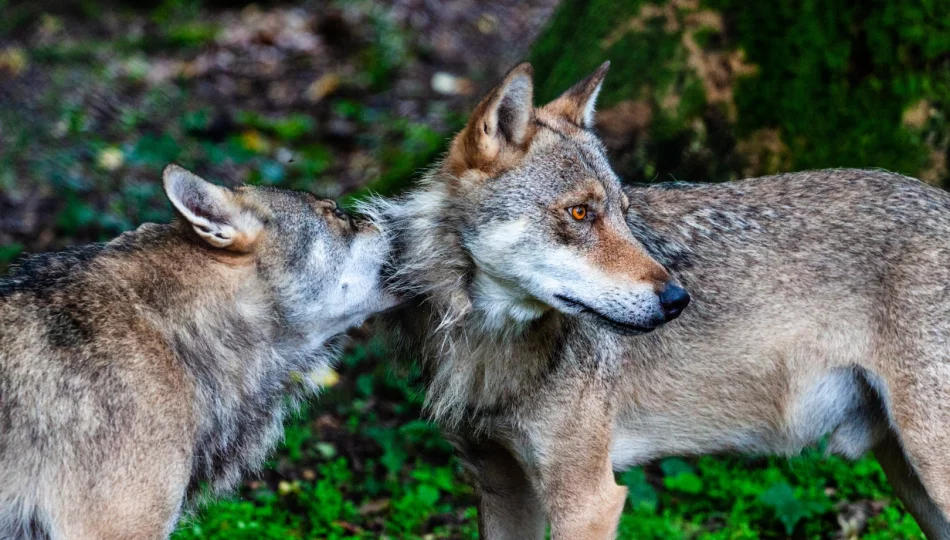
[
  {"x": 8, "y": 253},
  {"x": 789, "y": 507}
]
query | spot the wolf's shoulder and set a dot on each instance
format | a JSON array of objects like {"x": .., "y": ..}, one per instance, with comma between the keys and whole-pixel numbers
[
  {"x": 44, "y": 272},
  {"x": 48, "y": 270}
]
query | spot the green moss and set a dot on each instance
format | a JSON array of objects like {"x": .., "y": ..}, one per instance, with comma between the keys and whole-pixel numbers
[
  {"x": 595, "y": 33},
  {"x": 648, "y": 63},
  {"x": 833, "y": 79}
]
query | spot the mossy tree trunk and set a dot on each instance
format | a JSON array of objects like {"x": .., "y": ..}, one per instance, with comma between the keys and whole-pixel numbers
[{"x": 721, "y": 89}]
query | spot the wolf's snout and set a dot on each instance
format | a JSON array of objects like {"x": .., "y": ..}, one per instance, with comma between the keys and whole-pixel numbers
[{"x": 673, "y": 300}]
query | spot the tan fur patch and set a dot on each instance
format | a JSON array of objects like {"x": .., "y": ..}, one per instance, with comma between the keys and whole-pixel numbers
[
  {"x": 553, "y": 115},
  {"x": 617, "y": 255},
  {"x": 563, "y": 108}
]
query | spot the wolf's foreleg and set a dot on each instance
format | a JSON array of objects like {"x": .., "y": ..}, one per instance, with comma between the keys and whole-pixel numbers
[
  {"x": 573, "y": 475},
  {"x": 587, "y": 505},
  {"x": 508, "y": 508}
]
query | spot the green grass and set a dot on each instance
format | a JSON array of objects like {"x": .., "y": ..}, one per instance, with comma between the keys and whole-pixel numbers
[
  {"x": 358, "y": 463},
  {"x": 355, "y": 463}
]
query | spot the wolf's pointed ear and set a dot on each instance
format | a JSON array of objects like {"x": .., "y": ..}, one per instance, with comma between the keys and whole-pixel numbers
[
  {"x": 503, "y": 121},
  {"x": 212, "y": 210},
  {"x": 577, "y": 103}
]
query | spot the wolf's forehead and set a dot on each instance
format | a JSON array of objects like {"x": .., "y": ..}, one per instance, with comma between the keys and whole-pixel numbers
[
  {"x": 579, "y": 146},
  {"x": 284, "y": 206},
  {"x": 280, "y": 199},
  {"x": 572, "y": 158}
]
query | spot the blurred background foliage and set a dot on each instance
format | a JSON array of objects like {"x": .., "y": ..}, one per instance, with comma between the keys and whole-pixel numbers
[
  {"x": 344, "y": 98},
  {"x": 720, "y": 89}
]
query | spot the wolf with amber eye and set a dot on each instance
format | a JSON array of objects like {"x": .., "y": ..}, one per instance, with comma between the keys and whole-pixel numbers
[{"x": 548, "y": 303}]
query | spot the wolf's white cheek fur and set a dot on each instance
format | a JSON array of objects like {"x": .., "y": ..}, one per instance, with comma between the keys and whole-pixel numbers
[
  {"x": 518, "y": 281},
  {"x": 361, "y": 284},
  {"x": 494, "y": 246},
  {"x": 500, "y": 292},
  {"x": 347, "y": 282}
]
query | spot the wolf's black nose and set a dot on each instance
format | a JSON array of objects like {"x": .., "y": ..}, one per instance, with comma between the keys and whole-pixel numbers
[{"x": 673, "y": 300}]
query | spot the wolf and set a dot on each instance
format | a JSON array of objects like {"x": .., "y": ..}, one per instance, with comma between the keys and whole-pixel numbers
[
  {"x": 548, "y": 305},
  {"x": 140, "y": 374}
]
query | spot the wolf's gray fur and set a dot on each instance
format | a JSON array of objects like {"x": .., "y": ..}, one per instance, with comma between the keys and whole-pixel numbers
[
  {"x": 133, "y": 372},
  {"x": 821, "y": 307}
]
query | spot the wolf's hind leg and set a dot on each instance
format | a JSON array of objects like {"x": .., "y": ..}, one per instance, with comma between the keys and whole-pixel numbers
[
  {"x": 508, "y": 508},
  {"x": 919, "y": 409},
  {"x": 908, "y": 487}
]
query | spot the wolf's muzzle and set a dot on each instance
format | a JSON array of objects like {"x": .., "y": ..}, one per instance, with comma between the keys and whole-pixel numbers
[{"x": 673, "y": 300}]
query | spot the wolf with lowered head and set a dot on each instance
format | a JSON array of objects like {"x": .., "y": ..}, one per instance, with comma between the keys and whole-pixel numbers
[
  {"x": 549, "y": 307},
  {"x": 134, "y": 372}
]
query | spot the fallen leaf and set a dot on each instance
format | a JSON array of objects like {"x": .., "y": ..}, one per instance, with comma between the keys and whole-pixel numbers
[
  {"x": 323, "y": 87},
  {"x": 373, "y": 507},
  {"x": 916, "y": 115},
  {"x": 110, "y": 158},
  {"x": 487, "y": 23},
  {"x": 13, "y": 60},
  {"x": 255, "y": 142},
  {"x": 284, "y": 487},
  {"x": 451, "y": 85},
  {"x": 324, "y": 376}
]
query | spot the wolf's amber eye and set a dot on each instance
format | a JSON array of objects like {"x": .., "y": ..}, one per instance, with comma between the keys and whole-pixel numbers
[{"x": 578, "y": 212}]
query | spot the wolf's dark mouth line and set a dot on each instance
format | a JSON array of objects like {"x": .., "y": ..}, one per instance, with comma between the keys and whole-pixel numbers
[{"x": 584, "y": 308}]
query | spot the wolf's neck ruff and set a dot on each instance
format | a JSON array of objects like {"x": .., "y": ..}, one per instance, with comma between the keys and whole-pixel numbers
[
  {"x": 480, "y": 351},
  {"x": 430, "y": 260},
  {"x": 239, "y": 361},
  {"x": 499, "y": 310}
]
